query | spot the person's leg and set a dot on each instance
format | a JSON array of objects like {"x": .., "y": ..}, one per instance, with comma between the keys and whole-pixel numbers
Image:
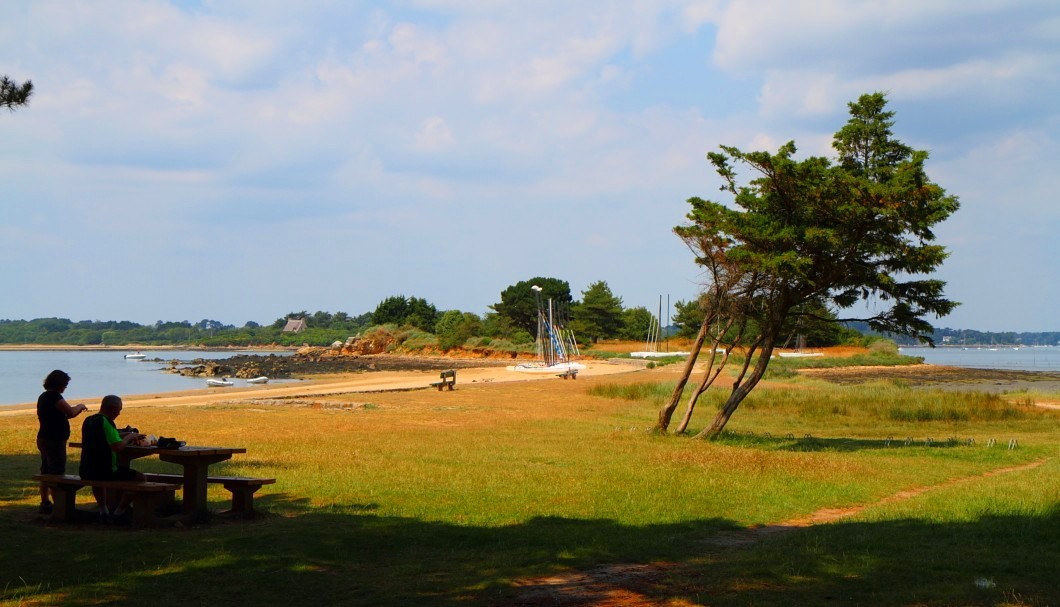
[
  {"x": 125, "y": 474},
  {"x": 100, "y": 494},
  {"x": 52, "y": 461}
]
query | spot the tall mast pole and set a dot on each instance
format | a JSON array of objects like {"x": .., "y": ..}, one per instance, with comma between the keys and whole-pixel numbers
[{"x": 668, "y": 319}]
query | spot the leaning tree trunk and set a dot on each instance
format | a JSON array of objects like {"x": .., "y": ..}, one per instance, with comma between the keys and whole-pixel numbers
[
  {"x": 739, "y": 392},
  {"x": 709, "y": 375},
  {"x": 667, "y": 412}
]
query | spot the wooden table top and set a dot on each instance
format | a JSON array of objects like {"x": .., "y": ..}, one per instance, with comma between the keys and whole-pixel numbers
[{"x": 186, "y": 450}]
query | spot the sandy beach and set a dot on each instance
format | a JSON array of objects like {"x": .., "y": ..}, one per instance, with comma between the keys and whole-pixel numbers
[
  {"x": 1045, "y": 384},
  {"x": 329, "y": 385}
]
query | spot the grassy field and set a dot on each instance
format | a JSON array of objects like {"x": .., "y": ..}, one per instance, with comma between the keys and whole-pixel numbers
[{"x": 554, "y": 492}]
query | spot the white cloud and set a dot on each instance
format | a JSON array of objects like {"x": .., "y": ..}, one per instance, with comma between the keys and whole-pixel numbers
[
  {"x": 434, "y": 135},
  {"x": 292, "y": 125}
]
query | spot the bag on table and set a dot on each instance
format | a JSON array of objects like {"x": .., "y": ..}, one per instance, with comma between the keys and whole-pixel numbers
[{"x": 169, "y": 443}]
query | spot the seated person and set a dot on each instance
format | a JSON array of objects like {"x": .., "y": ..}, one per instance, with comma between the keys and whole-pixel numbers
[{"x": 100, "y": 444}]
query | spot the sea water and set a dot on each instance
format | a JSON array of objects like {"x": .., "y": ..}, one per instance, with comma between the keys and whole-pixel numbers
[
  {"x": 1031, "y": 358},
  {"x": 95, "y": 373}
]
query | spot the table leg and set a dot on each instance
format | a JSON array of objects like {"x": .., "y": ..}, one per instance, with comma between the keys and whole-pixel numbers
[
  {"x": 196, "y": 470},
  {"x": 195, "y": 489},
  {"x": 63, "y": 509}
]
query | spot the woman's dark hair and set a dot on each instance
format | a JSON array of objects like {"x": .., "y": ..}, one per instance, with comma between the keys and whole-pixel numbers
[{"x": 55, "y": 380}]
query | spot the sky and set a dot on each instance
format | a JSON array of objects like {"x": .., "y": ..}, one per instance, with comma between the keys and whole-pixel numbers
[{"x": 240, "y": 160}]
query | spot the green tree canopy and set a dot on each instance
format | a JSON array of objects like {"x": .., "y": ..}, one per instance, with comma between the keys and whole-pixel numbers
[
  {"x": 401, "y": 310},
  {"x": 688, "y": 315},
  {"x": 598, "y": 314},
  {"x": 519, "y": 302},
  {"x": 455, "y": 327},
  {"x": 636, "y": 323},
  {"x": 807, "y": 235}
]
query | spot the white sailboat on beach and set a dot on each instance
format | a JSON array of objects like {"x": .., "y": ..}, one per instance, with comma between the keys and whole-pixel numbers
[
  {"x": 555, "y": 345},
  {"x": 651, "y": 344},
  {"x": 800, "y": 350}
]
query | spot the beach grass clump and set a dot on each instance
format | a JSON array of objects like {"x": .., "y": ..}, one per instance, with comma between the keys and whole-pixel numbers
[
  {"x": 884, "y": 400},
  {"x": 795, "y": 407},
  {"x": 411, "y": 339},
  {"x": 883, "y": 358},
  {"x": 605, "y": 354},
  {"x": 650, "y": 392}
]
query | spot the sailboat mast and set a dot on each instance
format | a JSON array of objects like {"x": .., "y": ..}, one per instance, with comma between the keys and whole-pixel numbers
[
  {"x": 668, "y": 320},
  {"x": 658, "y": 329}
]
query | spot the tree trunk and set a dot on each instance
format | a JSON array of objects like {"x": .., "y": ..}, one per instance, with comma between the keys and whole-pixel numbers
[
  {"x": 667, "y": 412},
  {"x": 709, "y": 376},
  {"x": 740, "y": 392}
]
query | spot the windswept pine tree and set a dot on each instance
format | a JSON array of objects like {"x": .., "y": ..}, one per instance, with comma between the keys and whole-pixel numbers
[{"x": 807, "y": 238}]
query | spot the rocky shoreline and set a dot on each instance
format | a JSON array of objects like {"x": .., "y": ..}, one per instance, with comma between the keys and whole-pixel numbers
[{"x": 306, "y": 365}]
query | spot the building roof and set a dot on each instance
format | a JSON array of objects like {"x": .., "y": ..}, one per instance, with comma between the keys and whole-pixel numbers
[{"x": 295, "y": 325}]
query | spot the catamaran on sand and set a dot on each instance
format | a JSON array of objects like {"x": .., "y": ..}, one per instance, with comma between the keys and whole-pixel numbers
[
  {"x": 555, "y": 345},
  {"x": 651, "y": 344}
]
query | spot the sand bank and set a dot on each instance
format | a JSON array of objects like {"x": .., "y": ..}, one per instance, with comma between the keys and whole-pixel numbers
[{"x": 378, "y": 381}]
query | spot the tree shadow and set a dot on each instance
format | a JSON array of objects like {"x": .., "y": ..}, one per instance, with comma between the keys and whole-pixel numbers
[
  {"x": 17, "y": 469},
  {"x": 348, "y": 554},
  {"x": 993, "y": 560},
  {"x": 808, "y": 443}
]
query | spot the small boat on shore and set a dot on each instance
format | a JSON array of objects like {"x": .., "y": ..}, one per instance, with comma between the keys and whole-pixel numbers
[
  {"x": 219, "y": 383},
  {"x": 656, "y": 354},
  {"x": 651, "y": 344},
  {"x": 136, "y": 356},
  {"x": 258, "y": 380},
  {"x": 555, "y": 368},
  {"x": 555, "y": 345}
]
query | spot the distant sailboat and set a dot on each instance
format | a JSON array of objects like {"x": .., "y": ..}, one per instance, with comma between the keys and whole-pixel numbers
[
  {"x": 651, "y": 344},
  {"x": 800, "y": 349}
]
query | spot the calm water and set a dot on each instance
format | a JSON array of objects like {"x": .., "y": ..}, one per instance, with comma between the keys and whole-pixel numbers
[
  {"x": 96, "y": 373},
  {"x": 1020, "y": 359}
]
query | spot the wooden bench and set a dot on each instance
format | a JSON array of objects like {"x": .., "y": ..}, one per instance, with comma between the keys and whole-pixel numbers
[
  {"x": 242, "y": 488},
  {"x": 568, "y": 374},
  {"x": 146, "y": 496},
  {"x": 448, "y": 380}
]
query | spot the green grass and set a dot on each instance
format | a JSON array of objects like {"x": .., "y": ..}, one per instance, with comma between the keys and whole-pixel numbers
[
  {"x": 449, "y": 498},
  {"x": 786, "y": 367}
]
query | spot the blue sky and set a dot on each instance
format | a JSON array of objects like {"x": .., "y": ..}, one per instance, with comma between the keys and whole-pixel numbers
[{"x": 240, "y": 160}]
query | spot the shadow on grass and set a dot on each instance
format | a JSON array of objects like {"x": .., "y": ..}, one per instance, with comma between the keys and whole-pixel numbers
[
  {"x": 346, "y": 555},
  {"x": 14, "y": 484},
  {"x": 813, "y": 443},
  {"x": 994, "y": 560}
]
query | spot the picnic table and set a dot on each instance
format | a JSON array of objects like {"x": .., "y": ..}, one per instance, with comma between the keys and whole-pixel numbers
[{"x": 195, "y": 461}]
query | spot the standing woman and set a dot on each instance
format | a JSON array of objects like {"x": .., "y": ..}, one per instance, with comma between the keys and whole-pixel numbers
[{"x": 54, "y": 413}]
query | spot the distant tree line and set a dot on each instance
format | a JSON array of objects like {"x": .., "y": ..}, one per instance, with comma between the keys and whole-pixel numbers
[
  {"x": 597, "y": 315},
  {"x": 323, "y": 328},
  {"x": 971, "y": 337}
]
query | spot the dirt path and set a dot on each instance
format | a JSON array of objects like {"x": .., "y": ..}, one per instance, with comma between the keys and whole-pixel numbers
[{"x": 610, "y": 585}]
